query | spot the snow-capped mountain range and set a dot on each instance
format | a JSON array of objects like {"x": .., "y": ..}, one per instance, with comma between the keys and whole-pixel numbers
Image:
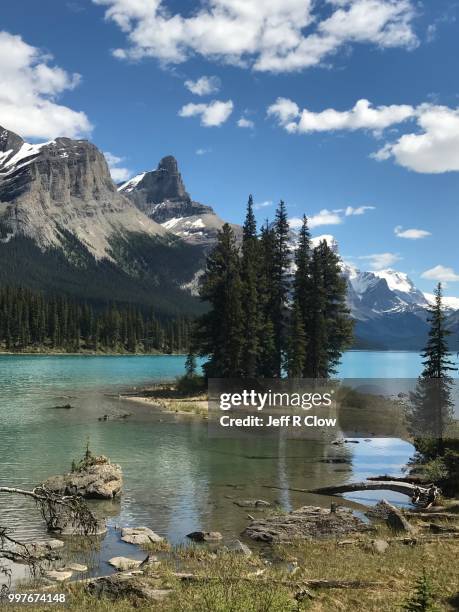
[{"x": 64, "y": 225}]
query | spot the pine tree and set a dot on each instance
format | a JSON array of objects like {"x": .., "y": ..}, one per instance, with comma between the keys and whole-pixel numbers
[
  {"x": 267, "y": 361},
  {"x": 250, "y": 265},
  {"x": 431, "y": 403},
  {"x": 316, "y": 362},
  {"x": 337, "y": 316},
  {"x": 280, "y": 285},
  {"x": 190, "y": 364},
  {"x": 301, "y": 305},
  {"x": 423, "y": 597},
  {"x": 220, "y": 330}
]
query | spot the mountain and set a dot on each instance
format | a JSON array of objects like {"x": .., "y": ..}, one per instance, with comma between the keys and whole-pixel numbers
[
  {"x": 65, "y": 227},
  {"x": 162, "y": 196}
]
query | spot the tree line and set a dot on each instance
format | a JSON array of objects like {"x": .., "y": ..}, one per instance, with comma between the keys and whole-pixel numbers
[
  {"x": 33, "y": 321},
  {"x": 273, "y": 310}
]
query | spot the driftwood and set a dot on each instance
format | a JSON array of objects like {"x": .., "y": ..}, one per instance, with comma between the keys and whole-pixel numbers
[{"x": 405, "y": 488}]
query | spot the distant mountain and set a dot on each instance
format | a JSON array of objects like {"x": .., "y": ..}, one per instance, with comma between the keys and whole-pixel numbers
[
  {"x": 162, "y": 196},
  {"x": 65, "y": 227}
]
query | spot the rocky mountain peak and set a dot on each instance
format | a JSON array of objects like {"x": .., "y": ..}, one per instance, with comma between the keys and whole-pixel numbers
[{"x": 9, "y": 141}]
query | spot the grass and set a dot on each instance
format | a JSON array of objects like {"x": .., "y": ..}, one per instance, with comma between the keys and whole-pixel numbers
[{"x": 228, "y": 582}]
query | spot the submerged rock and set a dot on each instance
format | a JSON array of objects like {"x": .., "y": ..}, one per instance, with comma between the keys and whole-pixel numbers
[
  {"x": 252, "y": 503},
  {"x": 97, "y": 478},
  {"x": 205, "y": 536},
  {"x": 58, "y": 575},
  {"x": 76, "y": 567},
  {"x": 305, "y": 523},
  {"x": 140, "y": 535}
]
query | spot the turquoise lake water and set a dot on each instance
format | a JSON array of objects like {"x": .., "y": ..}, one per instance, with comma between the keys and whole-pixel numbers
[{"x": 176, "y": 478}]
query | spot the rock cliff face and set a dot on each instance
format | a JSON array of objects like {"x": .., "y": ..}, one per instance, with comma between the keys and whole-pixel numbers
[
  {"x": 63, "y": 185},
  {"x": 161, "y": 195}
]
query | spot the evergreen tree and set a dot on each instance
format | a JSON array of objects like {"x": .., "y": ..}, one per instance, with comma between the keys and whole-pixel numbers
[
  {"x": 250, "y": 266},
  {"x": 338, "y": 323},
  {"x": 267, "y": 362},
  {"x": 280, "y": 285},
  {"x": 190, "y": 364},
  {"x": 316, "y": 362},
  {"x": 301, "y": 305},
  {"x": 423, "y": 597},
  {"x": 431, "y": 403},
  {"x": 220, "y": 330}
]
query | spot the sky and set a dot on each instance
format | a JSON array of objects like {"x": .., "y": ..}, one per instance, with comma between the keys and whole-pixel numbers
[{"x": 346, "y": 109}]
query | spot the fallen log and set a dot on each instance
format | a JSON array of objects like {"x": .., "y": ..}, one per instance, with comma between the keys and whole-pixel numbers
[{"x": 405, "y": 488}]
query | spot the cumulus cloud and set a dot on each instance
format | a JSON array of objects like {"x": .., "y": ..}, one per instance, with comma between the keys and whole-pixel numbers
[
  {"x": 350, "y": 211},
  {"x": 435, "y": 149},
  {"x": 243, "y": 122},
  {"x": 118, "y": 173},
  {"x": 274, "y": 36},
  {"x": 204, "y": 85},
  {"x": 324, "y": 217},
  {"x": 212, "y": 115},
  {"x": 381, "y": 261},
  {"x": 29, "y": 88},
  {"x": 441, "y": 274},
  {"x": 411, "y": 234},
  {"x": 362, "y": 116}
]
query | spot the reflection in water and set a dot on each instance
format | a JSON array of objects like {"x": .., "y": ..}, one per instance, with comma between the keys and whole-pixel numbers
[{"x": 177, "y": 479}]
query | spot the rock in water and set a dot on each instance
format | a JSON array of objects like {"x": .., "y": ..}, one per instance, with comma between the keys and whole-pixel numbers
[
  {"x": 305, "y": 523},
  {"x": 123, "y": 564},
  {"x": 96, "y": 479},
  {"x": 205, "y": 536},
  {"x": 58, "y": 575},
  {"x": 140, "y": 535}
]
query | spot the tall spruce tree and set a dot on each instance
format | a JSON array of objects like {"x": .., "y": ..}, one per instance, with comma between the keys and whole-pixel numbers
[
  {"x": 316, "y": 361},
  {"x": 337, "y": 315},
  {"x": 267, "y": 349},
  {"x": 250, "y": 273},
  {"x": 300, "y": 305},
  {"x": 280, "y": 284},
  {"x": 431, "y": 403},
  {"x": 220, "y": 330}
]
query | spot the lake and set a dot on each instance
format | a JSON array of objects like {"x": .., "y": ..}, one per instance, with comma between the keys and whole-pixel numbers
[{"x": 176, "y": 478}]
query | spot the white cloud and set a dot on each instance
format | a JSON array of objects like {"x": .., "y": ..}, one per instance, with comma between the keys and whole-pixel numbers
[
  {"x": 441, "y": 274},
  {"x": 243, "y": 122},
  {"x": 204, "y": 85},
  {"x": 274, "y": 36},
  {"x": 381, "y": 261},
  {"x": 360, "y": 210},
  {"x": 29, "y": 89},
  {"x": 432, "y": 151},
  {"x": 261, "y": 205},
  {"x": 118, "y": 173},
  {"x": 203, "y": 151},
  {"x": 324, "y": 217},
  {"x": 411, "y": 234},
  {"x": 362, "y": 116},
  {"x": 213, "y": 114}
]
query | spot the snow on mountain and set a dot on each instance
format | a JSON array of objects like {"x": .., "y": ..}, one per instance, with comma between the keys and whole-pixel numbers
[
  {"x": 129, "y": 185},
  {"x": 451, "y": 303}
]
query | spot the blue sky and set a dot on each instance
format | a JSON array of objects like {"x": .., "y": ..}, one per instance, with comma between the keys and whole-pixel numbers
[{"x": 125, "y": 74}]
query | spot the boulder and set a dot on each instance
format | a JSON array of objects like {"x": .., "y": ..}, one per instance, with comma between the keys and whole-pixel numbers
[
  {"x": 123, "y": 564},
  {"x": 205, "y": 536},
  {"x": 76, "y": 567},
  {"x": 97, "y": 479},
  {"x": 140, "y": 535},
  {"x": 124, "y": 586},
  {"x": 58, "y": 575},
  {"x": 305, "y": 523},
  {"x": 380, "y": 546},
  {"x": 239, "y": 547}
]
